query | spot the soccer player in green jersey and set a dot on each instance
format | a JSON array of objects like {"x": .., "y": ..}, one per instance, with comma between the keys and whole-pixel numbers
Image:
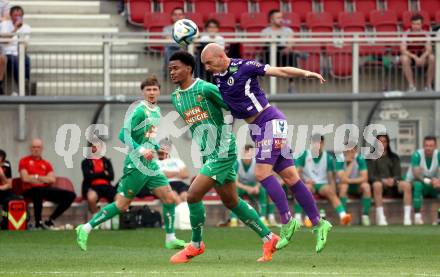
[
  {"x": 352, "y": 172},
  {"x": 200, "y": 104},
  {"x": 140, "y": 167},
  {"x": 424, "y": 175}
]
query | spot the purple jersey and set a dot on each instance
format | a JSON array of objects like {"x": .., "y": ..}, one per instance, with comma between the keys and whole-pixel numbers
[{"x": 240, "y": 89}]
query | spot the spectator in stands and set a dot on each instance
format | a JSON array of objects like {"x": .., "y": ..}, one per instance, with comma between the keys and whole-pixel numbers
[
  {"x": 4, "y": 16},
  {"x": 286, "y": 56},
  {"x": 212, "y": 27},
  {"x": 98, "y": 175},
  {"x": 418, "y": 53},
  {"x": 6, "y": 194},
  {"x": 176, "y": 172},
  {"x": 386, "y": 177},
  {"x": 316, "y": 167},
  {"x": 424, "y": 175},
  {"x": 176, "y": 14},
  {"x": 351, "y": 168},
  {"x": 38, "y": 180},
  {"x": 15, "y": 26},
  {"x": 247, "y": 185}
]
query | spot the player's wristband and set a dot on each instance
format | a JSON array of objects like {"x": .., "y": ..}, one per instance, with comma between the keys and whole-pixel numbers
[{"x": 142, "y": 150}]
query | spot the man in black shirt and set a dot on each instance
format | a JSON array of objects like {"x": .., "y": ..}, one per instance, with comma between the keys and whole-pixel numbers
[
  {"x": 6, "y": 194},
  {"x": 385, "y": 174},
  {"x": 98, "y": 175}
]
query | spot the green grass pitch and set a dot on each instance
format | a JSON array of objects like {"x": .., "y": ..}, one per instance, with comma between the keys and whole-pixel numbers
[{"x": 351, "y": 251}]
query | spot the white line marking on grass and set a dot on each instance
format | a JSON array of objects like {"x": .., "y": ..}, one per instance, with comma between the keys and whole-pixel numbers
[{"x": 313, "y": 273}]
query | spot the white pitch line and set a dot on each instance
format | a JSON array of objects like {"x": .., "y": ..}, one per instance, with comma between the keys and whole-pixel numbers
[{"x": 235, "y": 273}]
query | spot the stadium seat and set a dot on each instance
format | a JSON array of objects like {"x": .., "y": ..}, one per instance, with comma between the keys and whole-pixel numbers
[
  {"x": 253, "y": 22},
  {"x": 154, "y": 22},
  {"x": 399, "y": 6},
  {"x": 365, "y": 6},
  {"x": 169, "y": 5},
  {"x": 334, "y": 7},
  {"x": 265, "y": 6},
  {"x": 341, "y": 61},
  {"x": 301, "y": 7},
  {"x": 292, "y": 20},
  {"x": 205, "y": 7},
  {"x": 17, "y": 186},
  {"x": 384, "y": 21},
  {"x": 197, "y": 18},
  {"x": 136, "y": 10},
  {"x": 227, "y": 21},
  {"x": 237, "y": 7},
  {"x": 64, "y": 183},
  {"x": 437, "y": 17},
  {"x": 319, "y": 22},
  {"x": 406, "y": 19},
  {"x": 351, "y": 22},
  {"x": 430, "y": 6},
  {"x": 312, "y": 61}
]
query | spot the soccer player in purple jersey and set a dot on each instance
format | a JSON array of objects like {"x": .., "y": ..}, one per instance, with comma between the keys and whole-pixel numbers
[{"x": 238, "y": 84}]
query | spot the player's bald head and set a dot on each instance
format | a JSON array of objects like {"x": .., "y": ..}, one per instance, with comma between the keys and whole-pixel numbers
[
  {"x": 214, "y": 58},
  {"x": 212, "y": 50}
]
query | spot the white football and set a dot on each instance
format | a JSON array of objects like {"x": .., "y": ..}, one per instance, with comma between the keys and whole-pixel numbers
[{"x": 184, "y": 31}]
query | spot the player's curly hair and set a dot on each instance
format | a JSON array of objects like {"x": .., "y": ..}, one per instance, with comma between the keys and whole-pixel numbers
[
  {"x": 184, "y": 57},
  {"x": 151, "y": 80}
]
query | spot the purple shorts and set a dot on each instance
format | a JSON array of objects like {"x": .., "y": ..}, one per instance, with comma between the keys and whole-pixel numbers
[{"x": 269, "y": 132}]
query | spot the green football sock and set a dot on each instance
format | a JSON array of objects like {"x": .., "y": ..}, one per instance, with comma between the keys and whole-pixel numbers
[
  {"x": 344, "y": 202},
  {"x": 366, "y": 205},
  {"x": 340, "y": 209},
  {"x": 297, "y": 208},
  {"x": 270, "y": 208},
  {"x": 104, "y": 214},
  {"x": 197, "y": 218},
  {"x": 168, "y": 211},
  {"x": 249, "y": 216},
  {"x": 262, "y": 201},
  {"x": 417, "y": 196}
]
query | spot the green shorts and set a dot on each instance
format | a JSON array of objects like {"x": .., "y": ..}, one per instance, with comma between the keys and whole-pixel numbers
[
  {"x": 354, "y": 189},
  {"x": 318, "y": 187},
  {"x": 430, "y": 191},
  {"x": 221, "y": 170},
  {"x": 134, "y": 180}
]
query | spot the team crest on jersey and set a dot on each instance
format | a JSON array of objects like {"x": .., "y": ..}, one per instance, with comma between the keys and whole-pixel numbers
[
  {"x": 199, "y": 98},
  {"x": 231, "y": 81}
]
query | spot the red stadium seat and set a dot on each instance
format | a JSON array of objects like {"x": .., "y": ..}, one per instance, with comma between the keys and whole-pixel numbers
[
  {"x": 301, "y": 7},
  {"x": 197, "y": 18},
  {"x": 292, "y": 20},
  {"x": 136, "y": 11},
  {"x": 237, "y": 7},
  {"x": 17, "y": 186},
  {"x": 399, "y": 6},
  {"x": 154, "y": 22},
  {"x": 365, "y": 6},
  {"x": 384, "y": 21},
  {"x": 437, "y": 17},
  {"x": 341, "y": 59},
  {"x": 352, "y": 22},
  {"x": 334, "y": 7},
  {"x": 169, "y": 5},
  {"x": 64, "y": 183},
  {"x": 253, "y": 22},
  {"x": 406, "y": 19},
  {"x": 227, "y": 21},
  {"x": 265, "y": 6},
  {"x": 205, "y": 7},
  {"x": 430, "y": 6},
  {"x": 319, "y": 22},
  {"x": 313, "y": 60}
]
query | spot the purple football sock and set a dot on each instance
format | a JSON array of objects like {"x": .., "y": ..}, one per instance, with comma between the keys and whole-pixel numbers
[
  {"x": 306, "y": 200},
  {"x": 278, "y": 196}
]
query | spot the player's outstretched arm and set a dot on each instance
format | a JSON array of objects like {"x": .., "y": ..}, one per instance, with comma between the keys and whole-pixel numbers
[{"x": 289, "y": 72}]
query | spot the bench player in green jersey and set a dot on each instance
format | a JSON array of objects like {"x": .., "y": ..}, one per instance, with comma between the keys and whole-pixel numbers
[
  {"x": 140, "y": 167},
  {"x": 200, "y": 104}
]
